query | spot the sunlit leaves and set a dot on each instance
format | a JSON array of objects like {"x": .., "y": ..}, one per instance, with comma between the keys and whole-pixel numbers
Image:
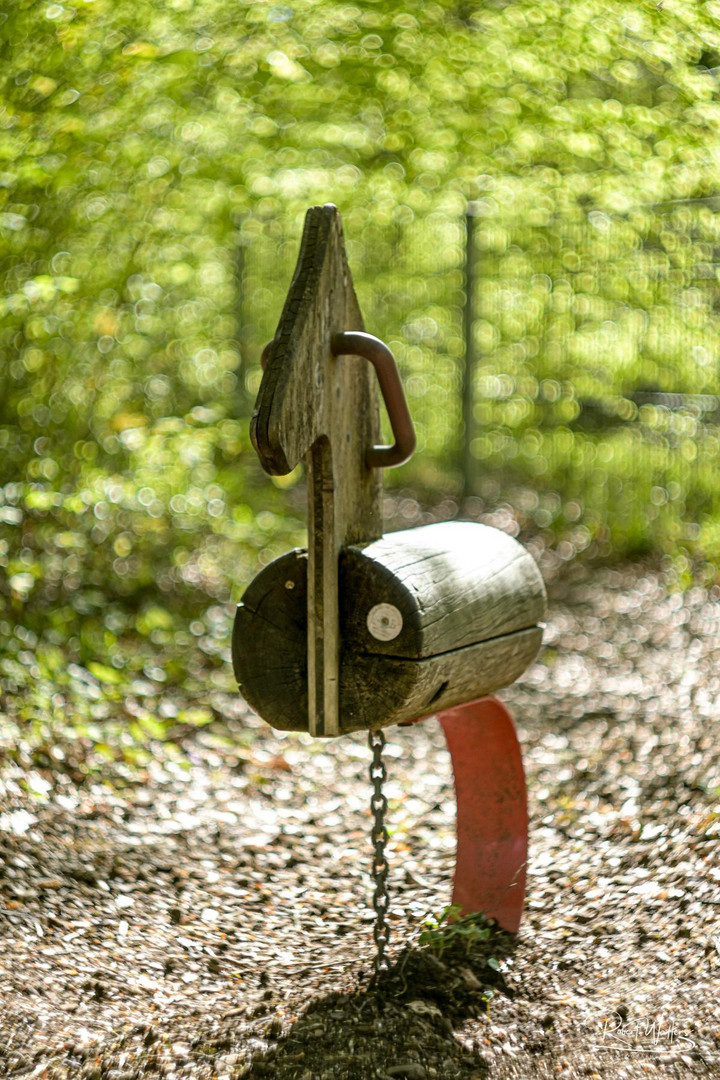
[{"x": 155, "y": 163}]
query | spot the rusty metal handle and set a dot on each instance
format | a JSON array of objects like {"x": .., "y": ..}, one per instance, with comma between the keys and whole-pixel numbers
[{"x": 355, "y": 343}]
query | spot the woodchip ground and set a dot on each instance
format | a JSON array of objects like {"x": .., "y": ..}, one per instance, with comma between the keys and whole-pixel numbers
[{"x": 214, "y": 922}]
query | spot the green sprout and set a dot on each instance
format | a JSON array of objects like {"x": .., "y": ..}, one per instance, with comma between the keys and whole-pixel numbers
[{"x": 450, "y": 933}]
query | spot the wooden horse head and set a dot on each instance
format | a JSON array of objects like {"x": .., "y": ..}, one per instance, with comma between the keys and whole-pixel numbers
[{"x": 318, "y": 403}]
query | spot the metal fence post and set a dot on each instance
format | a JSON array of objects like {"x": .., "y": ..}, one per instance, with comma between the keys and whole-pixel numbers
[{"x": 468, "y": 371}]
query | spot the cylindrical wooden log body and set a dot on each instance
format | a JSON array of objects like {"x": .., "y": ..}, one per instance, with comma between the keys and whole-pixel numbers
[{"x": 429, "y": 618}]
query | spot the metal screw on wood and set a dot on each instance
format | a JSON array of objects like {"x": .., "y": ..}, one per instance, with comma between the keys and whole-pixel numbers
[{"x": 376, "y": 630}]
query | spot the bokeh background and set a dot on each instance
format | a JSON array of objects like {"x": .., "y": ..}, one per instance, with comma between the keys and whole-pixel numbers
[{"x": 529, "y": 195}]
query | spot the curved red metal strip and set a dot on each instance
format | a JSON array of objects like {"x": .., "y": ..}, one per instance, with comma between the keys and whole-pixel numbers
[{"x": 492, "y": 818}]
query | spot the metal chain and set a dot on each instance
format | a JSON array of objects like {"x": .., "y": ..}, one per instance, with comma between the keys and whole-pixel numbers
[{"x": 379, "y": 836}]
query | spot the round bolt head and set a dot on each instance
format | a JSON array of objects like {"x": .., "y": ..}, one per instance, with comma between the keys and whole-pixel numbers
[{"x": 384, "y": 622}]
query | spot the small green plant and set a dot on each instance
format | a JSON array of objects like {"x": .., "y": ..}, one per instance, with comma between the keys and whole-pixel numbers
[{"x": 447, "y": 933}]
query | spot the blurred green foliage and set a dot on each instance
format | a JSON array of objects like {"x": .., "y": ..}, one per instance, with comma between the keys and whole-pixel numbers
[
  {"x": 155, "y": 164},
  {"x": 598, "y": 384}
]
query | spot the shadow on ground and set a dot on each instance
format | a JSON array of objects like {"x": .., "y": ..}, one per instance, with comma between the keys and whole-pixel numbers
[{"x": 403, "y": 1023}]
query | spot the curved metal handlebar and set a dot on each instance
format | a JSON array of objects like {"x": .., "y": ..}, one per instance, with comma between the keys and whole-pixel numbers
[{"x": 355, "y": 343}]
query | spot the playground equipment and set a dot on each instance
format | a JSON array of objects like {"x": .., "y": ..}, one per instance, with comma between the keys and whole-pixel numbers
[{"x": 364, "y": 630}]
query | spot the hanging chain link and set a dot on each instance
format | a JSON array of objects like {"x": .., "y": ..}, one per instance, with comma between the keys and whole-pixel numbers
[{"x": 379, "y": 836}]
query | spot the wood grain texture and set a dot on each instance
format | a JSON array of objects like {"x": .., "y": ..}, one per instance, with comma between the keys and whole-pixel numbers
[
  {"x": 269, "y": 646},
  {"x": 485, "y": 585},
  {"x": 376, "y": 691},
  {"x": 324, "y": 410},
  {"x": 455, "y": 583},
  {"x": 307, "y": 393}
]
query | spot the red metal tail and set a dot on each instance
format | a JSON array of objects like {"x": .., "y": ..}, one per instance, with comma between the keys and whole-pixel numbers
[{"x": 492, "y": 818}]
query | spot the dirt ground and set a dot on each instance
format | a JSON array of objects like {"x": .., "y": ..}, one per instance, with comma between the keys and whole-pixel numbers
[{"x": 214, "y": 922}]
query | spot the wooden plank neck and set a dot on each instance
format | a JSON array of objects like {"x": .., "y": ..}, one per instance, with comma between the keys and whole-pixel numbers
[{"x": 323, "y": 638}]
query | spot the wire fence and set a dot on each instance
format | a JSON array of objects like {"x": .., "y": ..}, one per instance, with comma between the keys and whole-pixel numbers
[{"x": 572, "y": 362}]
